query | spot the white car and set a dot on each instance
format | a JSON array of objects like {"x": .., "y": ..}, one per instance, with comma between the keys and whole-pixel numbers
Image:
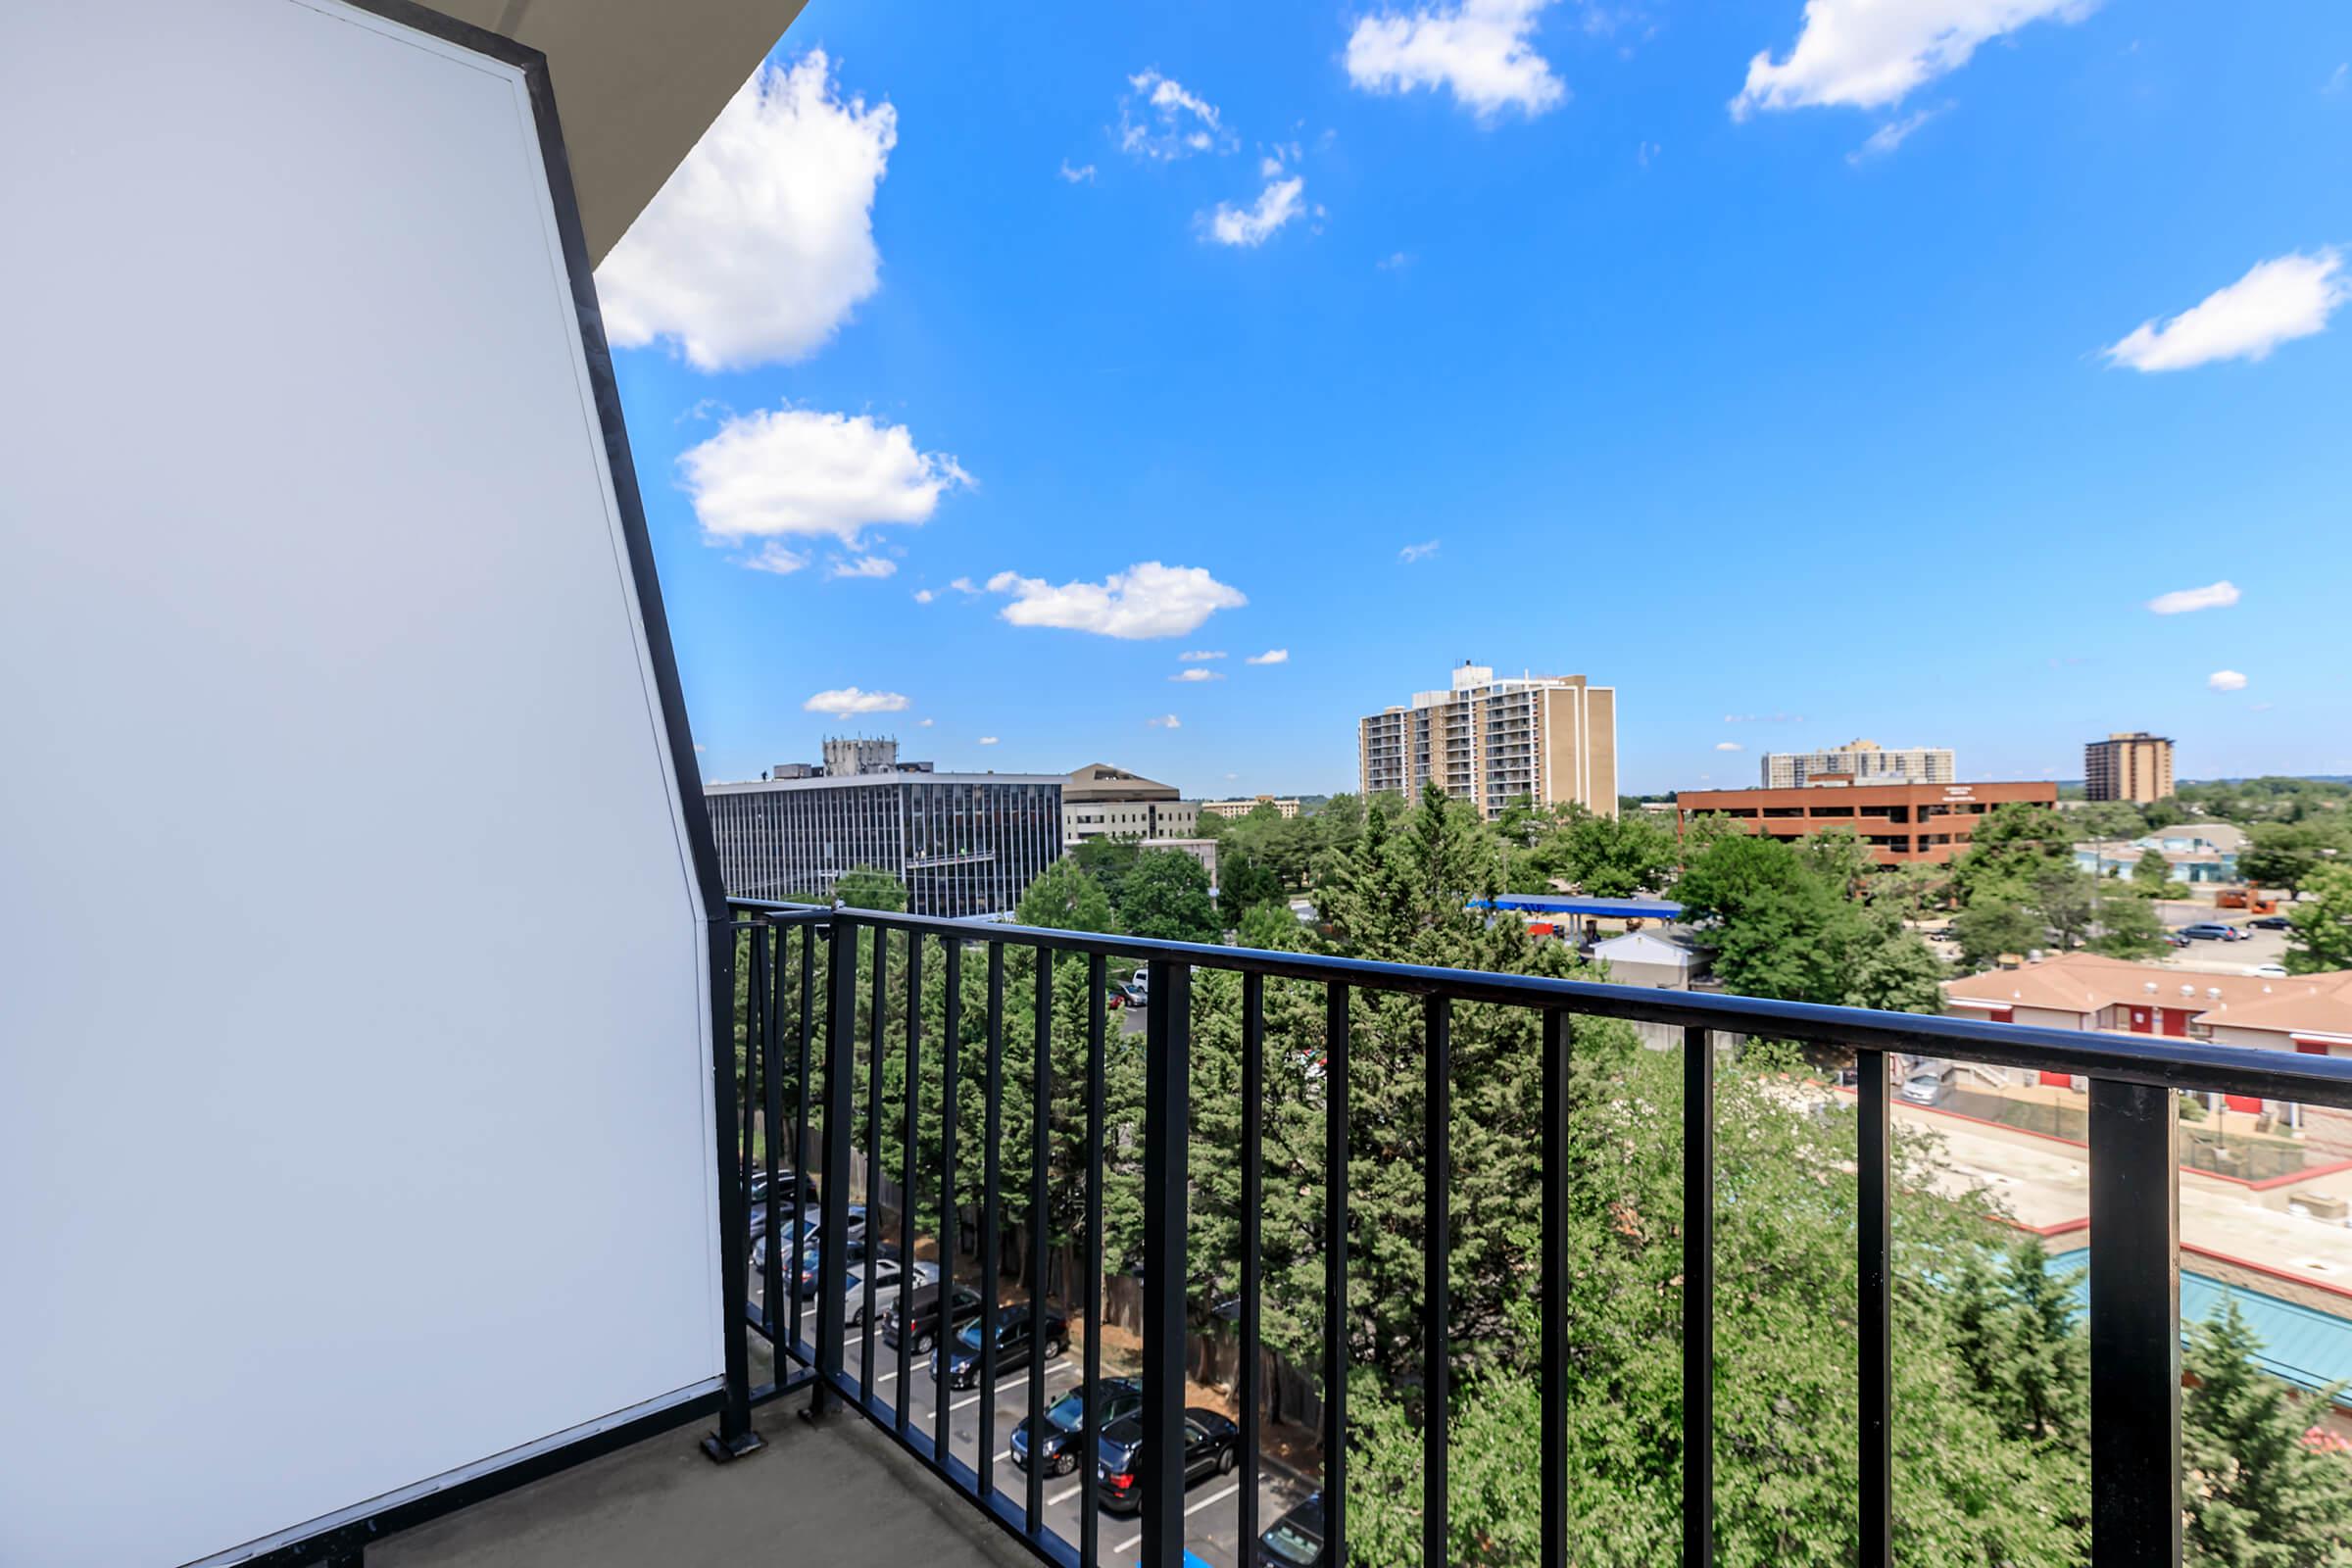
[
  {"x": 2270, "y": 971},
  {"x": 888, "y": 1278}
]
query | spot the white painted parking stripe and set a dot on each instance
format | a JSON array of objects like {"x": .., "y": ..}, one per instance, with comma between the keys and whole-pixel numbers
[
  {"x": 1136, "y": 1539},
  {"x": 1057, "y": 1499},
  {"x": 1129, "y": 1544}
]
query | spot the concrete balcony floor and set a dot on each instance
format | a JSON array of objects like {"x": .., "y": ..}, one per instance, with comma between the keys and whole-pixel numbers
[{"x": 816, "y": 1497}]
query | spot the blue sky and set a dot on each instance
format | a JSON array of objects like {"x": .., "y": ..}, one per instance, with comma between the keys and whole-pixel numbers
[{"x": 1781, "y": 368}]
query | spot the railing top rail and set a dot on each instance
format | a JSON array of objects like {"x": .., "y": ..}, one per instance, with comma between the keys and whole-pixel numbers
[{"x": 2163, "y": 1061}]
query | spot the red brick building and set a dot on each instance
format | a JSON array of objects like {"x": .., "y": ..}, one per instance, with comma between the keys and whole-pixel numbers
[{"x": 1930, "y": 823}]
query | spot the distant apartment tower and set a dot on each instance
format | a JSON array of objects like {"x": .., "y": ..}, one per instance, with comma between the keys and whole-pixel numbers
[
  {"x": 1100, "y": 801},
  {"x": 2128, "y": 765},
  {"x": 964, "y": 843},
  {"x": 1861, "y": 763},
  {"x": 1284, "y": 806},
  {"x": 1552, "y": 738}
]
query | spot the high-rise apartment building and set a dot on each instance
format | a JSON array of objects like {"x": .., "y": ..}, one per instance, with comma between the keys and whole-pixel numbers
[
  {"x": 1860, "y": 762},
  {"x": 2128, "y": 765},
  {"x": 1552, "y": 738}
]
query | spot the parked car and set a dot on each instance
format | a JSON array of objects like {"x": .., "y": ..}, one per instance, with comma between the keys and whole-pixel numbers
[
  {"x": 1930, "y": 1084},
  {"x": 916, "y": 1313},
  {"x": 1137, "y": 988},
  {"x": 2213, "y": 931},
  {"x": 888, "y": 1275},
  {"x": 1115, "y": 1400},
  {"x": 959, "y": 1359},
  {"x": 1211, "y": 1447},
  {"x": 2270, "y": 971},
  {"x": 802, "y": 1238},
  {"x": 1295, "y": 1539},
  {"x": 2272, "y": 922},
  {"x": 2174, "y": 939}
]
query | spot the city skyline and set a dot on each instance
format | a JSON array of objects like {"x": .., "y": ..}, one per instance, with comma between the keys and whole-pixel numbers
[{"x": 1286, "y": 377}]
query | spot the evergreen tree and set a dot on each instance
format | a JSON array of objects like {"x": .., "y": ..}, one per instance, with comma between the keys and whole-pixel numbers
[{"x": 2257, "y": 1493}]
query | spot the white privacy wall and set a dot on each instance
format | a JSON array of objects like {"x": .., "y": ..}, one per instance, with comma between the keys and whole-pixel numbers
[{"x": 354, "y": 1056}]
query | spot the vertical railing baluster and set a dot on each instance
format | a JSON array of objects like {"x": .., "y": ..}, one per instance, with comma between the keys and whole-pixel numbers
[
  {"x": 1090, "y": 1430},
  {"x": 951, "y": 1064},
  {"x": 841, "y": 1066},
  {"x": 1559, "y": 1036},
  {"x": 991, "y": 1219},
  {"x": 2134, "y": 1327},
  {"x": 1874, "y": 1284},
  {"x": 803, "y": 1176},
  {"x": 1253, "y": 1203},
  {"x": 877, "y": 1033},
  {"x": 1167, "y": 1155},
  {"x": 1041, "y": 1082},
  {"x": 1335, "y": 1271},
  {"x": 1437, "y": 1176},
  {"x": 770, "y": 984},
  {"x": 734, "y": 1434},
  {"x": 1698, "y": 1299},
  {"x": 903, "y": 1399}
]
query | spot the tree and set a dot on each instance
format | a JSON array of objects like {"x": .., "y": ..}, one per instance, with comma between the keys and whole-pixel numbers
[
  {"x": 1109, "y": 860},
  {"x": 2126, "y": 928},
  {"x": 2285, "y": 854},
  {"x": 2257, "y": 1495},
  {"x": 2107, "y": 819},
  {"x": 2014, "y": 843},
  {"x": 2320, "y": 928},
  {"x": 870, "y": 888},
  {"x": 1244, "y": 882},
  {"x": 1994, "y": 926},
  {"x": 2152, "y": 875},
  {"x": 1165, "y": 897},
  {"x": 1064, "y": 897}
]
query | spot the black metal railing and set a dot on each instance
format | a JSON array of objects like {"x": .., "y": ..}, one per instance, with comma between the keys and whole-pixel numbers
[{"x": 789, "y": 994}]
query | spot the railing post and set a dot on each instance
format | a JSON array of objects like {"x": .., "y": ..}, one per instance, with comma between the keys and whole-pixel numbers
[
  {"x": 735, "y": 1435},
  {"x": 2134, "y": 1327},
  {"x": 1698, "y": 1299},
  {"x": 840, "y": 1071},
  {"x": 1559, "y": 1042},
  {"x": 1873, "y": 1223},
  {"x": 1167, "y": 1133}
]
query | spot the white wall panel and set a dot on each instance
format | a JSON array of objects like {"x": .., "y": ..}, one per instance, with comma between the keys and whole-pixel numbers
[{"x": 354, "y": 1056}]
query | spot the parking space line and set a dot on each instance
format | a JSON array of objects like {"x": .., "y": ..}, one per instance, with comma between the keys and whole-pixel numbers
[
  {"x": 1136, "y": 1539},
  {"x": 1057, "y": 1499}
]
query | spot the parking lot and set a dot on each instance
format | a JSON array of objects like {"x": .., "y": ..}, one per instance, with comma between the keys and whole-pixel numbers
[{"x": 1212, "y": 1509}]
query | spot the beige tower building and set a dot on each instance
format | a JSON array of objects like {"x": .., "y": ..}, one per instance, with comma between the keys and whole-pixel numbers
[
  {"x": 1488, "y": 740},
  {"x": 2128, "y": 765}
]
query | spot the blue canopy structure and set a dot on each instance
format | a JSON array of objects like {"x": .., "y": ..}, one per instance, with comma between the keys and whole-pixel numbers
[{"x": 1605, "y": 909}]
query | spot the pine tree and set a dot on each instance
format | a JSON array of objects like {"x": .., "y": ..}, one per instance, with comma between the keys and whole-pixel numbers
[{"x": 2257, "y": 1493}]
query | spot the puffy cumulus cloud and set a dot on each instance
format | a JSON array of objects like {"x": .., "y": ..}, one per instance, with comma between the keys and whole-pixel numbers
[
  {"x": 781, "y": 472},
  {"x": 924, "y": 724},
  {"x": 1195, "y": 674},
  {"x": 2281, "y": 300},
  {"x": 988, "y": 740},
  {"x": 762, "y": 242},
  {"x": 923, "y": 596},
  {"x": 1482, "y": 51},
  {"x": 852, "y": 699},
  {"x": 1160, "y": 120},
  {"x": 1730, "y": 746},
  {"x": 1083, "y": 175},
  {"x": 2180, "y": 601},
  {"x": 1165, "y": 721},
  {"x": 1147, "y": 600},
  {"x": 773, "y": 557},
  {"x": 1867, "y": 54},
  {"x": 1272, "y": 656},
  {"x": 1252, "y": 227},
  {"x": 864, "y": 566},
  {"x": 2225, "y": 680}
]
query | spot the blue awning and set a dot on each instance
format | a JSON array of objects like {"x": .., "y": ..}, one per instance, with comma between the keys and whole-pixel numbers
[
  {"x": 2308, "y": 1349},
  {"x": 1610, "y": 908}
]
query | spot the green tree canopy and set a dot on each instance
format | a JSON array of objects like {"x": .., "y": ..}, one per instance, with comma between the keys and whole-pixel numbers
[
  {"x": 2256, "y": 1496},
  {"x": 1165, "y": 896},
  {"x": 2015, "y": 843},
  {"x": 872, "y": 888},
  {"x": 2152, "y": 873},
  {"x": 1064, "y": 898},
  {"x": 2320, "y": 934}
]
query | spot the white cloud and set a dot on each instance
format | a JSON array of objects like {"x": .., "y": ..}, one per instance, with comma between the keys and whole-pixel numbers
[
  {"x": 2213, "y": 595},
  {"x": 2281, "y": 300},
  {"x": 1479, "y": 50},
  {"x": 1165, "y": 721},
  {"x": 1084, "y": 175},
  {"x": 1158, "y": 120},
  {"x": 1281, "y": 200},
  {"x": 988, "y": 740},
  {"x": 762, "y": 242},
  {"x": 851, "y": 700},
  {"x": 2336, "y": 79},
  {"x": 864, "y": 566},
  {"x": 1197, "y": 656},
  {"x": 1147, "y": 600},
  {"x": 1730, "y": 746},
  {"x": 965, "y": 585},
  {"x": 773, "y": 557},
  {"x": 923, "y": 596},
  {"x": 925, "y": 723},
  {"x": 2225, "y": 680},
  {"x": 1420, "y": 552},
  {"x": 790, "y": 471},
  {"x": 1893, "y": 135},
  {"x": 1272, "y": 656},
  {"x": 1868, "y": 53},
  {"x": 1394, "y": 261},
  {"x": 1230, "y": 778},
  {"x": 1197, "y": 673}
]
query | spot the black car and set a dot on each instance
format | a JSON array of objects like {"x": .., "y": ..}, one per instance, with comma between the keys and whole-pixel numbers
[
  {"x": 961, "y": 1355},
  {"x": 1211, "y": 1447},
  {"x": 1295, "y": 1539},
  {"x": 2272, "y": 922},
  {"x": 1065, "y": 1421},
  {"x": 917, "y": 1314}
]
